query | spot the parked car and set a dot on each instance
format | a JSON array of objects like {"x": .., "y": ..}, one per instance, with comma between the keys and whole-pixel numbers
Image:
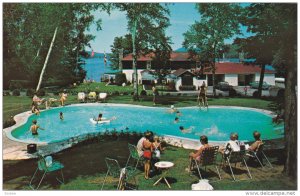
[
  {"x": 223, "y": 86},
  {"x": 265, "y": 86}
]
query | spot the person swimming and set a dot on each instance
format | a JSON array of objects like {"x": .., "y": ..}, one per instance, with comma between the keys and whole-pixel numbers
[
  {"x": 61, "y": 116},
  {"x": 176, "y": 120},
  {"x": 34, "y": 128},
  {"x": 183, "y": 130}
]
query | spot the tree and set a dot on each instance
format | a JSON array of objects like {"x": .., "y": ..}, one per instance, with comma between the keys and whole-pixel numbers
[
  {"x": 219, "y": 21},
  {"x": 147, "y": 23},
  {"x": 123, "y": 42},
  {"x": 28, "y": 31},
  {"x": 259, "y": 20},
  {"x": 275, "y": 28}
]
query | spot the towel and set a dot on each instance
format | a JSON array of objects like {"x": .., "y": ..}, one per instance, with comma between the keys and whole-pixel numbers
[{"x": 202, "y": 185}]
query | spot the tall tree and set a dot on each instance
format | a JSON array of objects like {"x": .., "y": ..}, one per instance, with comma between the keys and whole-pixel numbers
[
  {"x": 259, "y": 20},
  {"x": 275, "y": 41},
  {"x": 219, "y": 21},
  {"x": 147, "y": 23},
  {"x": 28, "y": 31},
  {"x": 123, "y": 42}
]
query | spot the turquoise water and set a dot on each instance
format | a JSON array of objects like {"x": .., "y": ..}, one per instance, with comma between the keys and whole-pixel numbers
[{"x": 216, "y": 123}]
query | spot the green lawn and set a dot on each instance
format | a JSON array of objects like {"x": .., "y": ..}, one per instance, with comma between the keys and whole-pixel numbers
[{"x": 85, "y": 170}]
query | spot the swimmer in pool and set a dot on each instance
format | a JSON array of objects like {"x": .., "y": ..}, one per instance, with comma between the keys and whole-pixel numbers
[
  {"x": 176, "y": 120},
  {"x": 183, "y": 130},
  {"x": 61, "y": 116},
  {"x": 34, "y": 128},
  {"x": 172, "y": 109}
]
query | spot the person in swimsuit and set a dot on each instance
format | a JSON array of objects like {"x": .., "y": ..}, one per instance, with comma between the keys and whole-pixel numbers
[
  {"x": 197, "y": 154},
  {"x": 147, "y": 153},
  {"x": 202, "y": 95},
  {"x": 61, "y": 116},
  {"x": 63, "y": 98},
  {"x": 34, "y": 128}
]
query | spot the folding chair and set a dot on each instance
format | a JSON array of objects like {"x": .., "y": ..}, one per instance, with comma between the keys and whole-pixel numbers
[
  {"x": 208, "y": 157},
  {"x": 102, "y": 97},
  {"x": 92, "y": 96},
  {"x": 114, "y": 169},
  {"x": 237, "y": 157},
  {"x": 133, "y": 153},
  {"x": 259, "y": 155},
  {"x": 81, "y": 97},
  {"x": 42, "y": 166}
]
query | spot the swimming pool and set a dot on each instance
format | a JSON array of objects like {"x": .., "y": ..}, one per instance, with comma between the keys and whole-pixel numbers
[{"x": 216, "y": 122}]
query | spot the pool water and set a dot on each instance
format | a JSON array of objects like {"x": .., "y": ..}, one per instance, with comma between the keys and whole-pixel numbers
[{"x": 216, "y": 123}]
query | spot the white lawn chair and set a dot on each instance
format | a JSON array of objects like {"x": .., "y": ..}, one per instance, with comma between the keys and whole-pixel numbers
[
  {"x": 102, "y": 97},
  {"x": 81, "y": 97}
]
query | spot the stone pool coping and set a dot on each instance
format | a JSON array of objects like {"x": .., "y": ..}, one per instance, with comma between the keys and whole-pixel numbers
[{"x": 15, "y": 149}]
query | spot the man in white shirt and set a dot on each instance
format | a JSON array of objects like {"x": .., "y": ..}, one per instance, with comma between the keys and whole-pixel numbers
[{"x": 232, "y": 145}]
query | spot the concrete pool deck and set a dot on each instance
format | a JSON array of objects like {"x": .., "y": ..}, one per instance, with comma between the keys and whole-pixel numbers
[{"x": 14, "y": 149}]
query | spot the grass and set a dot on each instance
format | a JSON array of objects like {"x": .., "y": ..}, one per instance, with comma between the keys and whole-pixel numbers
[{"x": 85, "y": 170}]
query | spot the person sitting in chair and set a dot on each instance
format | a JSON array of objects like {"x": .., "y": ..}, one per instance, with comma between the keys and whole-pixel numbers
[
  {"x": 257, "y": 142},
  {"x": 197, "y": 155},
  {"x": 232, "y": 145}
]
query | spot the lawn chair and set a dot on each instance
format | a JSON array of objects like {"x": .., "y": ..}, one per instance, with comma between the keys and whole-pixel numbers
[
  {"x": 237, "y": 157},
  {"x": 92, "y": 96},
  {"x": 47, "y": 167},
  {"x": 133, "y": 153},
  {"x": 123, "y": 174},
  {"x": 81, "y": 97},
  {"x": 208, "y": 157},
  {"x": 259, "y": 155},
  {"x": 102, "y": 97}
]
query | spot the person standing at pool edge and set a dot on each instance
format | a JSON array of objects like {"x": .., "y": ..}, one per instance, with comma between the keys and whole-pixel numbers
[
  {"x": 34, "y": 128},
  {"x": 202, "y": 95},
  {"x": 154, "y": 92}
]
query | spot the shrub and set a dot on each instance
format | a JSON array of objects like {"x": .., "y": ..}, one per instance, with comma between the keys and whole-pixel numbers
[
  {"x": 19, "y": 84},
  {"x": 16, "y": 92},
  {"x": 232, "y": 92},
  {"x": 255, "y": 94},
  {"x": 116, "y": 93},
  {"x": 171, "y": 86},
  {"x": 41, "y": 92},
  {"x": 6, "y": 93},
  {"x": 143, "y": 93},
  {"x": 120, "y": 79},
  {"x": 125, "y": 93},
  {"x": 30, "y": 92},
  {"x": 8, "y": 123},
  {"x": 187, "y": 87}
]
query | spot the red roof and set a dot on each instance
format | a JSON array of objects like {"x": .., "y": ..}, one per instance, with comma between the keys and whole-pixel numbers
[
  {"x": 147, "y": 57},
  {"x": 221, "y": 68},
  {"x": 238, "y": 68},
  {"x": 174, "y": 56}
]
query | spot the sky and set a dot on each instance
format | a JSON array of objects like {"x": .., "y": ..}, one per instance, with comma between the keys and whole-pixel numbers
[{"x": 182, "y": 15}]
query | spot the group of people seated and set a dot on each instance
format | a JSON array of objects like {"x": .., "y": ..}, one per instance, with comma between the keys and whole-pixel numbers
[
  {"x": 149, "y": 147},
  {"x": 233, "y": 145}
]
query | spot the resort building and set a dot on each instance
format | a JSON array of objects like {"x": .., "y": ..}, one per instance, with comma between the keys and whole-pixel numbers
[{"x": 184, "y": 72}]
